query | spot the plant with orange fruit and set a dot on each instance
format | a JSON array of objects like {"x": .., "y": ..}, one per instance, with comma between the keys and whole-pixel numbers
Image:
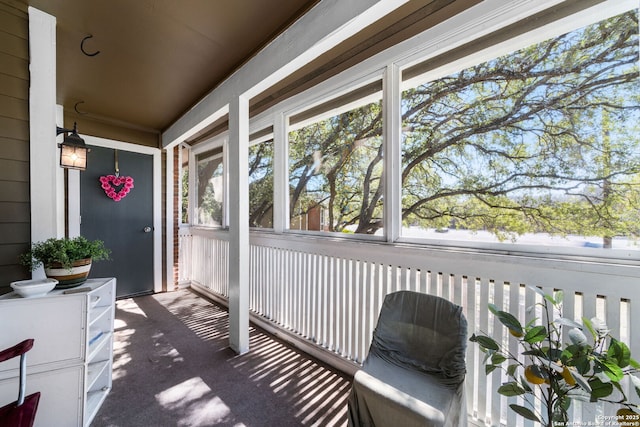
[{"x": 589, "y": 370}]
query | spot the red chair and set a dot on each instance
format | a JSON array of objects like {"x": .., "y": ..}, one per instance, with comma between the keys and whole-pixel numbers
[{"x": 22, "y": 412}]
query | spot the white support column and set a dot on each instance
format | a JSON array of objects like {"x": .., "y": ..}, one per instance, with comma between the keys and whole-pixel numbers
[
  {"x": 169, "y": 206},
  {"x": 238, "y": 167},
  {"x": 280, "y": 174},
  {"x": 47, "y": 178},
  {"x": 393, "y": 153}
]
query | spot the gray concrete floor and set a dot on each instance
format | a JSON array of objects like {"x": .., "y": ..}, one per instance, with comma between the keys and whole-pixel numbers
[{"x": 173, "y": 367}]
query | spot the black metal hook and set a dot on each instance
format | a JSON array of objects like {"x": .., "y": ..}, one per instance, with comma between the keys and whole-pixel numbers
[
  {"x": 75, "y": 107},
  {"x": 82, "y": 47}
]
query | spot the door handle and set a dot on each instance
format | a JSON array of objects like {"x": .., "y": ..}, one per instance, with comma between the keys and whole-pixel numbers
[{"x": 147, "y": 229}]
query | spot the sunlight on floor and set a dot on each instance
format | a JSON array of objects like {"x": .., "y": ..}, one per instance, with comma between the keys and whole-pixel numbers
[
  {"x": 310, "y": 393},
  {"x": 121, "y": 355},
  {"x": 317, "y": 395},
  {"x": 191, "y": 398},
  {"x": 130, "y": 306}
]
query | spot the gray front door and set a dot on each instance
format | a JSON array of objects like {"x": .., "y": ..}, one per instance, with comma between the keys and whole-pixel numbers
[{"x": 125, "y": 226}]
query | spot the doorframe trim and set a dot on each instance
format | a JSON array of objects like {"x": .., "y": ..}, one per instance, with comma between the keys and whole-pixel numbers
[{"x": 74, "y": 193}]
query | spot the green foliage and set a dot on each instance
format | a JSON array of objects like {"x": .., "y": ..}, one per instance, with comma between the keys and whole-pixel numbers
[
  {"x": 185, "y": 196},
  {"x": 543, "y": 140},
  {"x": 337, "y": 163},
  {"x": 589, "y": 369},
  {"x": 261, "y": 185},
  {"x": 540, "y": 140},
  {"x": 209, "y": 167},
  {"x": 64, "y": 251}
]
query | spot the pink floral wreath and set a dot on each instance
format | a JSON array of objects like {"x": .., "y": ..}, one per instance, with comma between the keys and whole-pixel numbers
[{"x": 109, "y": 181}]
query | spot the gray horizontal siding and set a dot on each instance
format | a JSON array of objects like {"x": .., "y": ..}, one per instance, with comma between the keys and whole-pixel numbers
[{"x": 15, "y": 225}]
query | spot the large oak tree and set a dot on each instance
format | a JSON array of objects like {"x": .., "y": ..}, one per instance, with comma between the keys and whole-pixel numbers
[{"x": 541, "y": 140}]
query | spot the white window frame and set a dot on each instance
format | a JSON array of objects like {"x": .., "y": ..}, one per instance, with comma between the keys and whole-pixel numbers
[
  {"x": 322, "y": 97},
  {"x": 255, "y": 141},
  {"x": 482, "y": 19},
  {"x": 181, "y": 148},
  {"x": 219, "y": 141},
  {"x": 585, "y": 17}
]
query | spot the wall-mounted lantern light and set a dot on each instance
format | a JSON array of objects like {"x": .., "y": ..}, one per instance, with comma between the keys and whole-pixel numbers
[{"x": 73, "y": 150}]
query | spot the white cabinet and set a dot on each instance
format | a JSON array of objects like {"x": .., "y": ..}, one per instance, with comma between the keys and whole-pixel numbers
[{"x": 71, "y": 360}]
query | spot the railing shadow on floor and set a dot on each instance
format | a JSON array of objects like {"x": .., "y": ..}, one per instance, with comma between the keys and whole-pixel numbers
[{"x": 173, "y": 366}]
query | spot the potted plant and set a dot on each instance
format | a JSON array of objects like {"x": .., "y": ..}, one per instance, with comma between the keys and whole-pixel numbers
[
  {"x": 553, "y": 372},
  {"x": 68, "y": 260}
]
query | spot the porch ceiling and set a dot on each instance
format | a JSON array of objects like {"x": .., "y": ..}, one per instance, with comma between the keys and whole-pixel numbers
[{"x": 158, "y": 58}]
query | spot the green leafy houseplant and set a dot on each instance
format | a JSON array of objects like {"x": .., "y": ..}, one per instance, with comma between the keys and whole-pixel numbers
[
  {"x": 555, "y": 373},
  {"x": 63, "y": 252}
]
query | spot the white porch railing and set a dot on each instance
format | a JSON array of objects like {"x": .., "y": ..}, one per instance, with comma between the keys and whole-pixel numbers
[{"x": 329, "y": 292}]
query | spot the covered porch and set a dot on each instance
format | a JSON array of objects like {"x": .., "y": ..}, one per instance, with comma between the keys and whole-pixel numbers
[
  {"x": 320, "y": 290},
  {"x": 323, "y": 295},
  {"x": 173, "y": 364}
]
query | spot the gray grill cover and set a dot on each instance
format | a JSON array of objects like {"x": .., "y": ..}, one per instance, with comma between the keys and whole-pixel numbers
[{"x": 414, "y": 373}]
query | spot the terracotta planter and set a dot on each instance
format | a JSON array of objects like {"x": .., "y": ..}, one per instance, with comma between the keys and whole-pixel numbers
[{"x": 68, "y": 278}]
